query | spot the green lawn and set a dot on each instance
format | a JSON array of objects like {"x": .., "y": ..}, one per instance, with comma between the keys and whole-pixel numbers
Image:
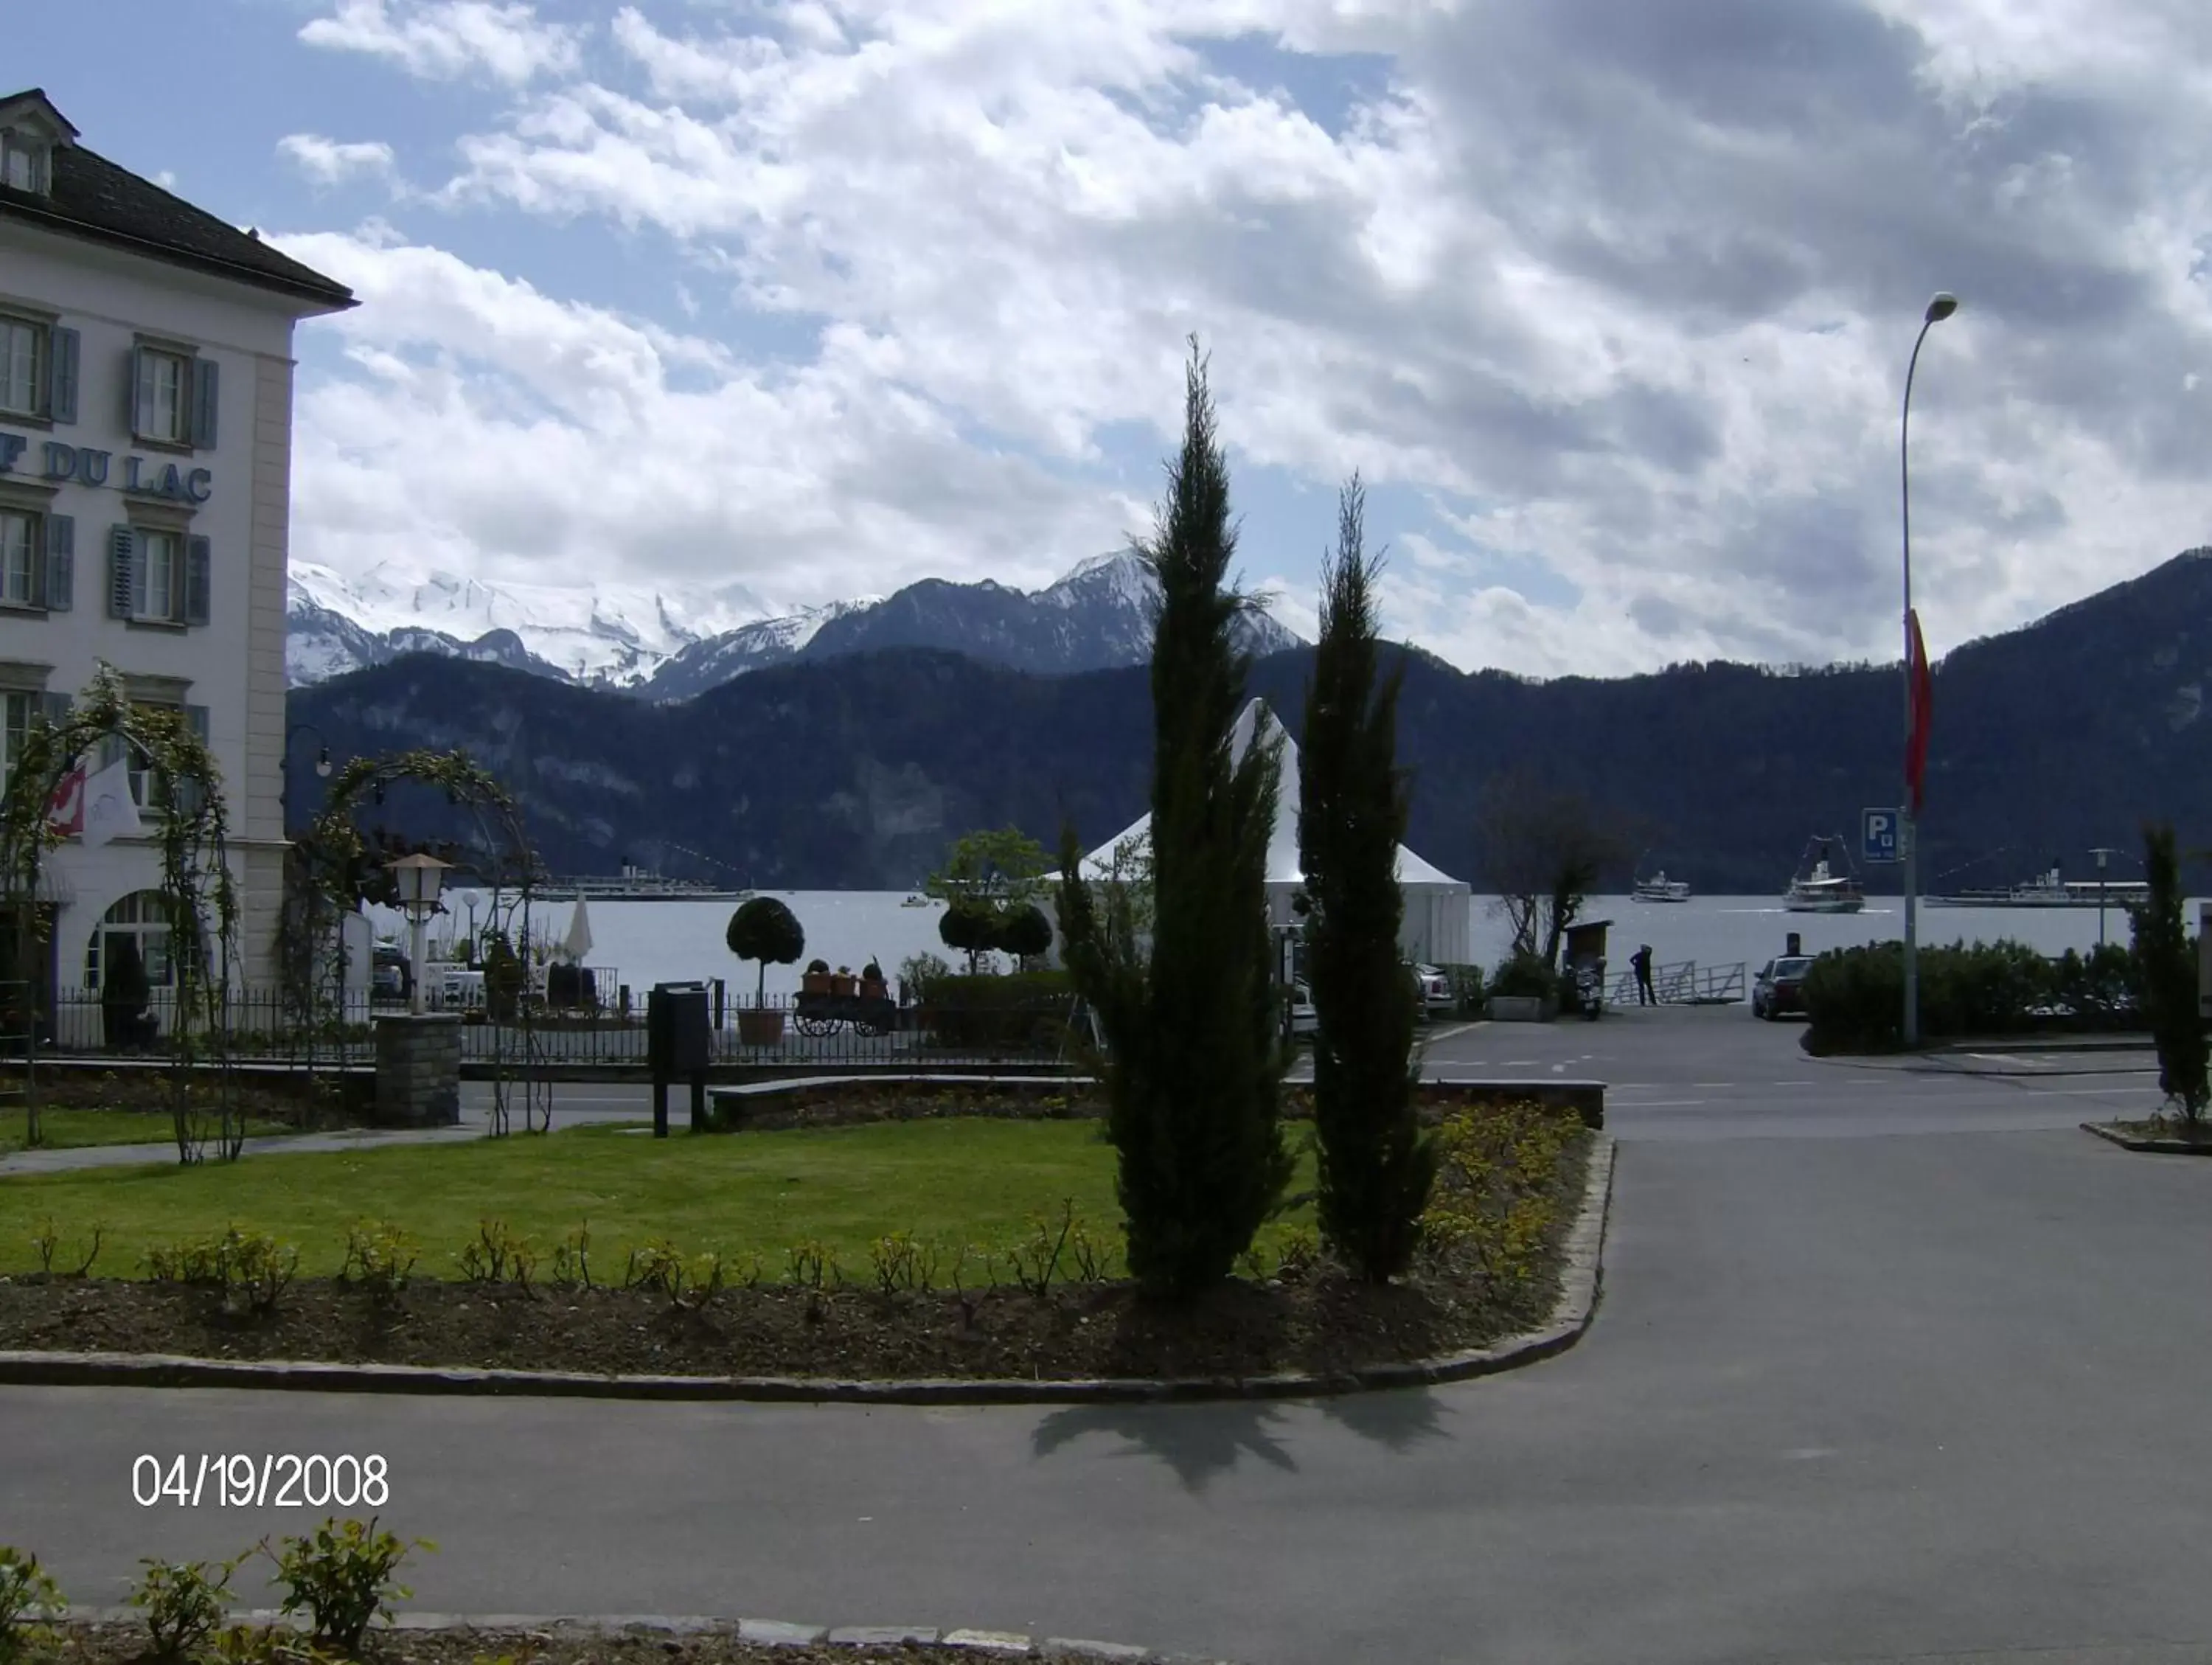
[
  {"x": 63, "y": 1128},
  {"x": 948, "y": 1181}
]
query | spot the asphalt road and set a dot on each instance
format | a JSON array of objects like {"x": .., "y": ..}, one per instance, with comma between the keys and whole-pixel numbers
[{"x": 1890, "y": 1364}]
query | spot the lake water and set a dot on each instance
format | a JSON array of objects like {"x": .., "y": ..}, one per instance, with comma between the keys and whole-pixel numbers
[{"x": 646, "y": 942}]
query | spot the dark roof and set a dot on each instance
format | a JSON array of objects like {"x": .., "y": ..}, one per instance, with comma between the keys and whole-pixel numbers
[{"x": 94, "y": 198}]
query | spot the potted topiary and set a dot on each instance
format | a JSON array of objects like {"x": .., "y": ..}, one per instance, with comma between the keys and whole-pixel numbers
[
  {"x": 763, "y": 929},
  {"x": 815, "y": 979},
  {"x": 872, "y": 982}
]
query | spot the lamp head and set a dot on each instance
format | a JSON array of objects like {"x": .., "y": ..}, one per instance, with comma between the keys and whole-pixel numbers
[
  {"x": 417, "y": 878},
  {"x": 323, "y": 763},
  {"x": 1941, "y": 306}
]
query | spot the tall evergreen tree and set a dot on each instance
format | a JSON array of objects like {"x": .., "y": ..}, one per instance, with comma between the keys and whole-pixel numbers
[
  {"x": 1195, "y": 1056},
  {"x": 1376, "y": 1163},
  {"x": 2167, "y": 961}
]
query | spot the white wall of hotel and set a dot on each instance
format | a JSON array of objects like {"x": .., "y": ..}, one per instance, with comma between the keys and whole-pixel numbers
[{"x": 233, "y": 665}]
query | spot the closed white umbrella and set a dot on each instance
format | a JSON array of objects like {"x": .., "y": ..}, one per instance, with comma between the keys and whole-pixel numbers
[{"x": 578, "y": 942}]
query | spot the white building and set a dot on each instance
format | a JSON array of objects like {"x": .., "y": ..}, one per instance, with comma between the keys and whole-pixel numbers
[
  {"x": 1438, "y": 917},
  {"x": 145, "y": 490}
]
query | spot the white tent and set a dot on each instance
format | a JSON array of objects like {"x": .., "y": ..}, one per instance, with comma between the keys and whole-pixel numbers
[{"x": 1438, "y": 912}]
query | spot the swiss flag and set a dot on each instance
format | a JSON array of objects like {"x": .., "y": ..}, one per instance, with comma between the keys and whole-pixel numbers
[
  {"x": 65, "y": 813},
  {"x": 1923, "y": 709}
]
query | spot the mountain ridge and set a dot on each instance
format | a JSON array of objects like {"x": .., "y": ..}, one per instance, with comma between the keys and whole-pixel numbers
[{"x": 855, "y": 772}]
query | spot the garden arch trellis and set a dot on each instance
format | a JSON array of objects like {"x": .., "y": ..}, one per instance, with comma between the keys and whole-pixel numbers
[
  {"x": 330, "y": 864},
  {"x": 185, "y": 802}
]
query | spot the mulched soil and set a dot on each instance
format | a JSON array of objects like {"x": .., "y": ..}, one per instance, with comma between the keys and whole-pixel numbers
[
  {"x": 263, "y": 1098},
  {"x": 120, "y": 1645},
  {"x": 2165, "y": 1126}
]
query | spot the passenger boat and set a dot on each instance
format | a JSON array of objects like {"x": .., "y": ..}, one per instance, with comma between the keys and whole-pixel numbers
[
  {"x": 1819, "y": 889},
  {"x": 2048, "y": 889},
  {"x": 1660, "y": 888}
]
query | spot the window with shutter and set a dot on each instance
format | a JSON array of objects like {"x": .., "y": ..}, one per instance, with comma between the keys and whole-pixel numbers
[
  {"x": 61, "y": 562},
  {"x": 24, "y": 353},
  {"x": 199, "y": 578},
  {"x": 16, "y": 710},
  {"x": 122, "y": 554},
  {"x": 206, "y": 379},
  {"x": 62, "y": 379},
  {"x": 160, "y": 405},
  {"x": 22, "y": 551}
]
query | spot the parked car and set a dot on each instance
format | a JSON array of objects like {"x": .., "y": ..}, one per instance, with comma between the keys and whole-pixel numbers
[
  {"x": 389, "y": 977},
  {"x": 1780, "y": 986},
  {"x": 1303, "y": 1019},
  {"x": 1436, "y": 994}
]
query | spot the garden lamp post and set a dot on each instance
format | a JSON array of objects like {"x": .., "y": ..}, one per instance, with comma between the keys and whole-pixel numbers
[
  {"x": 284, "y": 770},
  {"x": 418, "y": 877},
  {"x": 1939, "y": 308}
]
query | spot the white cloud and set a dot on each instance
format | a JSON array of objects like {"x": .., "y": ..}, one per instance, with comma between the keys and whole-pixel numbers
[
  {"x": 450, "y": 39},
  {"x": 328, "y": 161},
  {"x": 1628, "y": 293}
]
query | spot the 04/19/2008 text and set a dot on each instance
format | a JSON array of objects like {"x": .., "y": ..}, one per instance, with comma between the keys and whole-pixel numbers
[{"x": 272, "y": 1480}]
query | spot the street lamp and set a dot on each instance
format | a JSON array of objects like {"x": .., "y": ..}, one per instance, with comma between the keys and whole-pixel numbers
[
  {"x": 284, "y": 770},
  {"x": 2102, "y": 854},
  {"x": 1939, "y": 308},
  {"x": 417, "y": 877}
]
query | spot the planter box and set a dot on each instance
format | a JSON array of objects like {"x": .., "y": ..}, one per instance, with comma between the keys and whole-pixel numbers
[
  {"x": 1520, "y": 1009},
  {"x": 760, "y": 1026}
]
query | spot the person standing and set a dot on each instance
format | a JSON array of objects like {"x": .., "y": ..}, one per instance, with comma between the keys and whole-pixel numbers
[{"x": 1641, "y": 959}]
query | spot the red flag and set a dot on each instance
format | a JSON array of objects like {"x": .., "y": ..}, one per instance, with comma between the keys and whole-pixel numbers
[
  {"x": 65, "y": 813},
  {"x": 1923, "y": 710}
]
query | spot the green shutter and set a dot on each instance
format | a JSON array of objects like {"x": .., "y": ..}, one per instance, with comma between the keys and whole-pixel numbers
[
  {"x": 120, "y": 566},
  {"x": 61, "y": 376},
  {"x": 61, "y": 562},
  {"x": 205, "y": 382},
  {"x": 134, "y": 368},
  {"x": 199, "y": 577}
]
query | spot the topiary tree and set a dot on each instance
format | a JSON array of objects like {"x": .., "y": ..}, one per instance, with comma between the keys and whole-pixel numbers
[
  {"x": 1025, "y": 931},
  {"x": 971, "y": 926},
  {"x": 763, "y": 929},
  {"x": 2169, "y": 980}
]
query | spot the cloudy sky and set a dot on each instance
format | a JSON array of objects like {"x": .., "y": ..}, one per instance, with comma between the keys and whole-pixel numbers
[{"x": 1610, "y": 299}]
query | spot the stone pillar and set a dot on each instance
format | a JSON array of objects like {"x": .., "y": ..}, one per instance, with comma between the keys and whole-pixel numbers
[{"x": 418, "y": 1070}]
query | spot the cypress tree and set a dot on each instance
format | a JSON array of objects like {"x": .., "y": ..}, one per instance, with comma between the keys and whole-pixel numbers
[
  {"x": 1376, "y": 1163},
  {"x": 2167, "y": 960},
  {"x": 1194, "y": 1057}
]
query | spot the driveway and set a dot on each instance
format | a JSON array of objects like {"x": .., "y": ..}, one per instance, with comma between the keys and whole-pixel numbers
[{"x": 1887, "y": 1365}]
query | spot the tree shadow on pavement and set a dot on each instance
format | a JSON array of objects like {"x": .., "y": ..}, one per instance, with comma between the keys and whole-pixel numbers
[{"x": 1202, "y": 1441}]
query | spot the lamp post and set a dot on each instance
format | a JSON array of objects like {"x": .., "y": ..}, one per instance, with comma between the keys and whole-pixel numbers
[
  {"x": 284, "y": 770},
  {"x": 1939, "y": 308},
  {"x": 418, "y": 877},
  {"x": 2102, "y": 854}
]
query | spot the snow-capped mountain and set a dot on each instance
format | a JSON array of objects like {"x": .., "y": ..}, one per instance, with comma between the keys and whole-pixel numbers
[{"x": 666, "y": 646}]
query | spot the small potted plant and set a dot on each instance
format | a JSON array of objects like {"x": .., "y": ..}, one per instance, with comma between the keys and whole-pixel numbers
[
  {"x": 872, "y": 981},
  {"x": 842, "y": 984},
  {"x": 763, "y": 929},
  {"x": 815, "y": 979}
]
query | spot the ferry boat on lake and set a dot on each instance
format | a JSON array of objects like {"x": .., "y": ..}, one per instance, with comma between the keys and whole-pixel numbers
[
  {"x": 2048, "y": 889},
  {"x": 1660, "y": 888},
  {"x": 1819, "y": 889}
]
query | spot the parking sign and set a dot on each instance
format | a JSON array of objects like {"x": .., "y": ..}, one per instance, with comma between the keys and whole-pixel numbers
[{"x": 1878, "y": 834}]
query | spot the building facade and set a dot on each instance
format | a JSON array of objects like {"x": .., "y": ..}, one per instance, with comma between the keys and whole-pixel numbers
[{"x": 146, "y": 375}]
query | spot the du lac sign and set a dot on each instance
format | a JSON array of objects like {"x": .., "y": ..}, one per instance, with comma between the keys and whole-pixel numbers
[
  {"x": 59, "y": 464},
  {"x": 1879, "y": 831}
]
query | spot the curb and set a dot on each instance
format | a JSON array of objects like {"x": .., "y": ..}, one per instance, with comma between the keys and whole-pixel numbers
[
  {"x": 2123, "y": 1041},
  {"x": 2168, "y": 1147},
  {"x": 1579, "y": 1286},
  {"x": 766, "y": 1632}
]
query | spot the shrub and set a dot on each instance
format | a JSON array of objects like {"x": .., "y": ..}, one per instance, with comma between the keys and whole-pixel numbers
[
  {"x": 1498, "y": 1184},
  {"x": 342, "y": 1575},
  {"x": 1855, "y": 997},
  {"x": 29, "y": 1600},
  {"x": 1027, "y": 1011},
  {"x": 251, "y": 1268},
  {"x": 498, "y": 1255},
  {"x": 183, "y": 1602},
  {"x": 380, "y": 1256},
  {"x": 1467, "y": 987},
  {"x": 2169, "y": 980},
  {"x": 1025, "y": 931},
  {"x": 1526, "y": 975},
  {"x": 921, "y": 973}
]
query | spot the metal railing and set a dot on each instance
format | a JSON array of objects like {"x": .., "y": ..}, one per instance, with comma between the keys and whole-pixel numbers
[
  {"x": 1684, "y": 982},
  {"x": 270, "y": 1025}
]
